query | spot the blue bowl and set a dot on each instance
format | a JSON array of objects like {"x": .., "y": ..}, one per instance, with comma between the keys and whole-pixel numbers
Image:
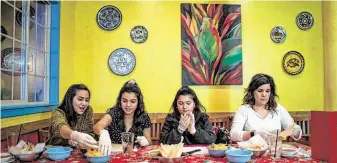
[
  {"x": 239, "y": 155},
  {"x": 97, "y": 159},
  {"x": 58, "y": 153},
  {"x": 217, "y": 153}
]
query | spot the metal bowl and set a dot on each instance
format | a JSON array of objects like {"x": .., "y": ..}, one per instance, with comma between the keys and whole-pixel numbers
[{"x": 28, "y": 157}]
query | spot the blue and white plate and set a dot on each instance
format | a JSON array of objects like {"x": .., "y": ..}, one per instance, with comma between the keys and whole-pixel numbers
[
  {"x": 122, "y": 61},
  {"x": 304, "y": 20},
  {"x": 12, "y": 59},
  {"x": 109, "y": 17},
  {"x": 138, "y": 34},
  {"x": 278, "y": 34}
]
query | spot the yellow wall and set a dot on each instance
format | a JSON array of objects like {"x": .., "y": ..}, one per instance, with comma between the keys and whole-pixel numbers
[
  {"x": 85, "y": 49},
  {"x": 330, "y": 54},
  {"x": 158, "y": 68}
]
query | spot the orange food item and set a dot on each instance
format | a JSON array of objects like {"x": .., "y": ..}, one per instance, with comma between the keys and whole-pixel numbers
[{"x": 94, "y": 152}]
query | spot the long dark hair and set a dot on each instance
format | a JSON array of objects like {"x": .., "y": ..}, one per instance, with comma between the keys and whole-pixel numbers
[
  {"x": 255, "y": 83},
  {"x": 185, "y": 90},
  {"x": 67, "y": 104},
  {"x": 131, "y": 87}
]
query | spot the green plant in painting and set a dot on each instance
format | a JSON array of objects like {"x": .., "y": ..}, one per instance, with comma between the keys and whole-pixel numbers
[{"x": 211, "y": 44}]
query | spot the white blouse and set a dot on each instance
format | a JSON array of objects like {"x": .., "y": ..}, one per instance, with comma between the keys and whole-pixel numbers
[{"x": 247, "y": 119}]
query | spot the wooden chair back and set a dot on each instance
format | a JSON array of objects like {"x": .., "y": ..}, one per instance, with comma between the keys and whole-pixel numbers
[
  {"x": 304, "y": 123},
  {"x": 157, "y": 125},
  {"x": 222, "y": 122}
]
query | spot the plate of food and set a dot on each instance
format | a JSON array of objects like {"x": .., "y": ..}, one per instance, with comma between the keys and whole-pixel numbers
[{"x": 27, "y": 151}]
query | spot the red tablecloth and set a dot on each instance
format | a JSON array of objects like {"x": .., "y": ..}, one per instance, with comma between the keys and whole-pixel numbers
[{"x": 142, "y": 156}]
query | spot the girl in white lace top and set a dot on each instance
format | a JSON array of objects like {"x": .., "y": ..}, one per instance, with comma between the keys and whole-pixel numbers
[{"x": 260, "y": 114}]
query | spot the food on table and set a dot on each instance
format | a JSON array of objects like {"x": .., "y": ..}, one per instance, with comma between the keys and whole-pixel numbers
[
  {"x": 94, "y": 152},
  {"x": 154, "y": 152},
  {"x": 217, "y": 147},
  {"x": 28, "y": 147},
  {"x": 171, "y": 151},
  {"x": 254, "y": 147}
]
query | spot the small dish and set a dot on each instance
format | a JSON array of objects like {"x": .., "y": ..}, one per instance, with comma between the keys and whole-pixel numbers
[
  {"x": 289, "y": 151},
  {"x": 7, "y": 159},
  {"x": 291, "y": 156}
]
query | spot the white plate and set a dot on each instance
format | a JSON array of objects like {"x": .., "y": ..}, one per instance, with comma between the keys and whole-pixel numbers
[
  {"x": 290, "y": 156},
  {"x": 288, "y": 146},
  {"x": 7, "y": 159}
]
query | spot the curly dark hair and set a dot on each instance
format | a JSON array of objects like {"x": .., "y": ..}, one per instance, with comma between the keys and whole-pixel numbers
[
  {"x": 67, "y": 104},
  {"x": 255, "y": 83},
  {"x": 131, "y": 87},
  {"x": 185, "y": 90}
]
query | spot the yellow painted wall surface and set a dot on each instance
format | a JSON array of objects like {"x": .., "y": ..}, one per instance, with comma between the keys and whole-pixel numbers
[
  {"x": 85, "y": 49},
  {"x": 330, "y": 54},
  {"x": 158, "y": 68}
]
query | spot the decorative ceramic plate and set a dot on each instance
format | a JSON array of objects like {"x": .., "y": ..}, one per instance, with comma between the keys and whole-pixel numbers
[
  {"x": 122, "y": 61},
  {"x": 278, "y": 34},
  {"x": 139, "y": 34},
  {"x": 18, "y": 16},
  {"x": 10, "y": 59},
  {"x": 293, "y": 63},
  {"x": 4, "y": 31},
  {"x": 109, "y": 17},
  {"x": 304, "y": 20}
]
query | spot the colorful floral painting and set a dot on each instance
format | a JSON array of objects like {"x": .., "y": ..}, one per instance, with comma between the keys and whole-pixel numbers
[{"x": 211, "y": 44}]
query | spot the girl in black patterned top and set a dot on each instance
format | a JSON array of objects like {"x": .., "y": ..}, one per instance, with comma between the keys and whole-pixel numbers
[{"x": 128, "y": 115}]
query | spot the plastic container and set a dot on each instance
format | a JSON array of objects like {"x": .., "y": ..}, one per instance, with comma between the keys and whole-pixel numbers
[
  {"x": 58, "y": 153},
  {"x": 239, "y": 155}
]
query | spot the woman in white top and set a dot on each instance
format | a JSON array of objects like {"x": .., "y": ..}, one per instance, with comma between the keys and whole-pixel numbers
[{"x": 260, "y": 114}]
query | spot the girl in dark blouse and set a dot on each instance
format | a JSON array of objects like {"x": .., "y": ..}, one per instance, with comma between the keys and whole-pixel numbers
[
  {"x": 188, "y": 120},
  {"x": 128, "y": 115}
]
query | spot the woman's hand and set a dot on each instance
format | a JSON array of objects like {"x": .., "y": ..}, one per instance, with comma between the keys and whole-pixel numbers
[
  {"x": 104, "y": 142},
  {"x": 142, "y": 141},
  {"x": 297, "y": 133},
  {"x": 83, "y": 139},
  {"x": 191, "y": 127},
  {"x": 183, "y": 123}
]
